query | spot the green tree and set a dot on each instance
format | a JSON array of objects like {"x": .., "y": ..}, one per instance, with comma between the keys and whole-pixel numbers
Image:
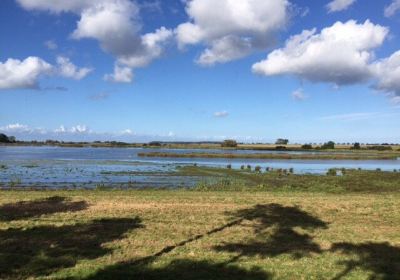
[
  {"x": 356, "y": 146},
  {"x": 281, "y": 141},
  {"x": 229, "y": 143},
  {"x": 328, "y": 145},
  {"x": 4, "y": 138}
]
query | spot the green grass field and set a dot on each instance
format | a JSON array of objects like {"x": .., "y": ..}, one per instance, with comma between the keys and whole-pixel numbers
[{"x": 218, "y": 232}]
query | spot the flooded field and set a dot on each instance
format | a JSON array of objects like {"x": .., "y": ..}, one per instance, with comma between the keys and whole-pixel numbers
[{"x": 54, "y": 167}]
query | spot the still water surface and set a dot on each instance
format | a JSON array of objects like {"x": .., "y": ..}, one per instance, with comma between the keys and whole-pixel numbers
[{"x": 89, "y": 167}]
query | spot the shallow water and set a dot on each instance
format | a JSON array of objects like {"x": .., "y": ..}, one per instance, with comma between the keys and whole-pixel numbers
[{"x": 90, "y": 167}]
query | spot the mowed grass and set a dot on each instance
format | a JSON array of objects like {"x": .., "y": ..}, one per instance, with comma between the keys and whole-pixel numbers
[{"x": 181, "y": 234}]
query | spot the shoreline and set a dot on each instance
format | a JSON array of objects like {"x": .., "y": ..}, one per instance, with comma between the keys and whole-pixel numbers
[{"x": 333, "y": 156}]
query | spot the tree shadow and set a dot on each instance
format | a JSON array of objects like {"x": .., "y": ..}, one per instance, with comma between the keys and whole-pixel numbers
[
  {"x": 284, "y": 240},
  {"x": 29, "y": 209},
  {"x": 39, "y": 251},
  {"x": 275, "y": 232},
  {"x": 181, "y": 269},
  {"x": 382, "y": 259}
]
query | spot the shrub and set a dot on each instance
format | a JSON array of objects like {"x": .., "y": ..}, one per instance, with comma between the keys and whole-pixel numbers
[
  {"x": 280, "y": 148},
  {"x": 155, "y": 143},
  {"x": 229, "y": 166},
  {"x": 229, "y": 143},
  {"x": 328, "y": 145},
  {"x": 380, "y": 148},
  {"x": 356, "y": 146},
  {"x": 307, "y": 147},
  {"x": 248, "y": 167},
  {"x": 242, "y": 167},
  {"x": 332, "y": 172},
  {"x": 257, "y": 168},
  {"x": 281, "y": 141}
]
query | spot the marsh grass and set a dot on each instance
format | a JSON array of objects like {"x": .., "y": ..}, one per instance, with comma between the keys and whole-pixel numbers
[{"x": 350, "y": 181}]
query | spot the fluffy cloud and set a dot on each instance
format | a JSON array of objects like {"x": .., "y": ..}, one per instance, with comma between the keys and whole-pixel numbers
[
  {"x": 121, "y": 74},
  {"x": 340, "y": 54},
  {"x": 387, "y": 72},
  {"x": 115, "y": 24},
  {"x": 392, "y": 9},
  {"x": 69, "y": 70},
  {"x": 25, "y": 74},
  {"x": 15, "y": 73},
  {"x": 231, "y": 29},
  {"x": 339, "y": 5},
  {"x": 221, "y": 114}
]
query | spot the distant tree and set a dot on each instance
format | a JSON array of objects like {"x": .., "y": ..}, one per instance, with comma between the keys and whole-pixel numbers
[
  {"x": 307, "y": 147},
  {"x": 4, "y": 138},
  {"x": 281, "y": 141},
  {"x": 328, "y": 145},
  {"x": 356, "y": 146},
  {"x": 229, "y": 143},
  {"x": 12, "y": 139}
]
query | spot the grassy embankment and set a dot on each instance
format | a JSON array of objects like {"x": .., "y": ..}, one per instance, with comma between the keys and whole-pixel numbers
[
  {"x": 308, "y": 156},
  {"x": 271, "y": 232}
]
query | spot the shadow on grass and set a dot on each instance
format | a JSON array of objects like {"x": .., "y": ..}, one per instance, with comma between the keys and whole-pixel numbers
[
  {"x": 284, "y": 240},
  {"x": 29, "y": 209},
  {"x": 41, "y": 250},
  {"x": 381, "y": 259},
  {"x": 275, "y": 232},
  {"x": 181, "y": 269}
]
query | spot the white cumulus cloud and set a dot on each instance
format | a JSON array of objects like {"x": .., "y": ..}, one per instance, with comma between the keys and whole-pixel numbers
[
  {"x": 25, "y": 74},
  {"x": 387, "y": 72},
  {"x": 115, "y": 24},
  {"x": 122, "y": 74},
  {"x": 339, "y": 5},
  {"x": 340, "y": 54},
  {"x": 69, "y": 70},
  {"x": 231, "y": 29},
  {"x": 15, "y": 73}
]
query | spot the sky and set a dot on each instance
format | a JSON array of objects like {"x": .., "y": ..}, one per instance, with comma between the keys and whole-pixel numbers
[{"x": 197, "y": 70}]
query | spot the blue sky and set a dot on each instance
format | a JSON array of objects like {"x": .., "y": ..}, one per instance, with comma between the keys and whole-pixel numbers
[{"x": 191, "y": 70}]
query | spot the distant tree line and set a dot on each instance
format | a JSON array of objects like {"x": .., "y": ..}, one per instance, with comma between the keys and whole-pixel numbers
[{"x": 7, "y": 139}]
